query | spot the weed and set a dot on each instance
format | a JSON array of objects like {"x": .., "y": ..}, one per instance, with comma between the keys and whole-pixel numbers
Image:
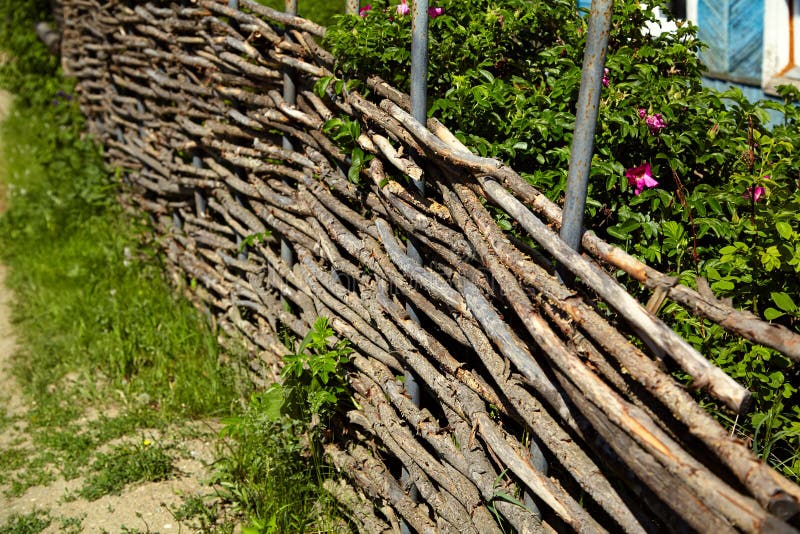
[
  {"x": 30, "y": 523},
  {"x": 126, "y": 464},
  {"x": 202, "y": 513},
  {"x": 12, "y": 459},
  {"x": 71, "y": 525},
  {"x": 35, "y": 474},
  {"x": 271, "y": 469}
]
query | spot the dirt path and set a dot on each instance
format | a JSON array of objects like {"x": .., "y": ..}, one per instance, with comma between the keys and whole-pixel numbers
[
  {"x": 145, "y": 507},
  {"x": 10, "y": 396}
]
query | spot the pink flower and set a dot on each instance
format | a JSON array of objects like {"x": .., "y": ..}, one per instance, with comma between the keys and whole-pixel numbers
[
  {"x": 754, "y": 194},
  {"x": 655, "y": 123},
  {"x": 402, "y": 8},
  {"x": 605, "y": 77},
  {"x": 642, "y": 113},
  {"x": 363, "y": 11},
  {"x": 640, "y": 177},
  {"x": 434, "y": 12}
]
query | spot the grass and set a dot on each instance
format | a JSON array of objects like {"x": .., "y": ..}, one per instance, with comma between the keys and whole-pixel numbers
[
  {"x": 145, "y": 461},
  {"x": 30, "y": 523},
  {"x": 109, "y": 350},
  {"x": 96, "y": 317},
  {"x": 101, "y": 329}
]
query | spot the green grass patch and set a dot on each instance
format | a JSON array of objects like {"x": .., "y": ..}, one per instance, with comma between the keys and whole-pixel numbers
[
  {"x": 99, "y": 326},
  {"x": 102, "y": 330},
  {"x": 30, "y": 523},
  {"x": 97, "y": 320},
  {"x": 145, "y": 461}
]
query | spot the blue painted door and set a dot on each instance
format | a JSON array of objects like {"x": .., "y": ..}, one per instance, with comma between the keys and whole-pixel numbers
[{"x": 733, "y": 31}]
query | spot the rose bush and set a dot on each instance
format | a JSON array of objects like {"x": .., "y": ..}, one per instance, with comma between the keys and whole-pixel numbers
[{"x": 695, "y": 182}]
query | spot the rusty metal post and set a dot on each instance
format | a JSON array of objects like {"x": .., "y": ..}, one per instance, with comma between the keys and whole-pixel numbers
[
  {"x": 351, "y": 7},
  {"x": 594, "y": 59}
]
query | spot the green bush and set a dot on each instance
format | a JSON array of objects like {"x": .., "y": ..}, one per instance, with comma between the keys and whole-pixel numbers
[
  {"x": 693, "y": 181},
  {"x": 320, "y": 11}
]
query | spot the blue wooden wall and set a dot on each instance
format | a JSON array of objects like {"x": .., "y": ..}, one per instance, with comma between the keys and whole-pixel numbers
[{"x": 733, "y": 31}]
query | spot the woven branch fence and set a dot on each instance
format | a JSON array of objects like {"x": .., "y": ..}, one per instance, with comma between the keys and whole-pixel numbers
[{"x": 186, "y": 96}]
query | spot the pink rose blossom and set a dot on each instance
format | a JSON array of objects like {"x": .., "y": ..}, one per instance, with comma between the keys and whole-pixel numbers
[
  {"x": 434, "y": 12},
  {"x": 605, "y": 78},
  {"x": 402, "y": 8},
  {"x": 754, "y": 194},
  {"x": 655, "y": 123},
  {"x": 640, "y": 177},
  {"x": 363, "y": 11}
]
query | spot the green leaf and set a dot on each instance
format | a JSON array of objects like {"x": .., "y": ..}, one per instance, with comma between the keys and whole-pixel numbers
[
  {"x": 322, "y": 85},
  {"x": 784, "y": 229},
  {"x": 723, "y": 285},
  {"x": 783, "y": 301},
  {"x": 771, "y": 258},
  {"x": 508, "y": 498},
  {"x": 770, "y": 314}
]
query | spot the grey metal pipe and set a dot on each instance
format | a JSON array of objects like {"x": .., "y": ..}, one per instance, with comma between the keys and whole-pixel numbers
[
  {"x": 289, "y": 88},
  {"x": 594, "y": 59},
  {"x": 419, "y": 110},
  {"x": 539, "y": 462},
  {"x": 290, "y": 96},
  {"x": 351, "y": 7},
  {"x": 199, "y": 200},
  {"x": 419, "y": 68}
]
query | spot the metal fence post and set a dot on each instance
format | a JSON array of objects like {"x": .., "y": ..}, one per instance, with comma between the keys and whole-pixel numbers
[
  {"x": 419, "y": 110},
  {"x": 580, "y": 160},
  {"x": 351, "y": 7},
  {"x": 594, "y": 59},
  {"x": 199, "y": 200},
  {"x": 290, "y": 96},
  {"x": 242, "y": 255}
]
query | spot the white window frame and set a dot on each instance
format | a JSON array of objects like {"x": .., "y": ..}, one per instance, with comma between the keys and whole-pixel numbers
[{"x": 781, "y": 57}]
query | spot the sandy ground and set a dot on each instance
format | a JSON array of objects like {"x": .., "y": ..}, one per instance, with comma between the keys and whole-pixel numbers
[{"x": 142, "y": 507}]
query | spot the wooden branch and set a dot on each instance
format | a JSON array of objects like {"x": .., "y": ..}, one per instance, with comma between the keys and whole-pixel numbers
[{"x": 704, "y": 374}]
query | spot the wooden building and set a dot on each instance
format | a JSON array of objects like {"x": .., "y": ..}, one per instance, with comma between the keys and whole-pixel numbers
[{"x": 752, "y": 44}]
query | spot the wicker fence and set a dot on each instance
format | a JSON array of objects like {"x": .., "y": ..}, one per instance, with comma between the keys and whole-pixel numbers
[{"x": 527, "y": 390}]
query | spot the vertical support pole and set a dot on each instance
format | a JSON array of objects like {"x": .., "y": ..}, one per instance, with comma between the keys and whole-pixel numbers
[
  {"x": 594, "y": 59},
  {"x": 351, "y": 7},
  {"x": 290, "y": 96},
  {"x": 234, "y": 4},
  {"x": 419, "y": 66},
  {"x": 419, "y": 110},
  {"x": 199, "y": 200},
  {"x": 580, "y": 161},
  {"x": 539, "y": 462}
]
